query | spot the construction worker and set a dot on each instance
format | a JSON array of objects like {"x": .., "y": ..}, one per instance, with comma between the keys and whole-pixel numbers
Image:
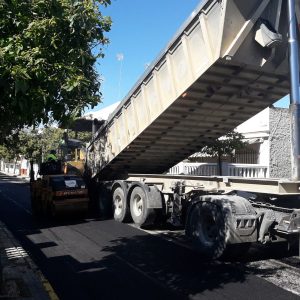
[{"x": 52, "y": 156}]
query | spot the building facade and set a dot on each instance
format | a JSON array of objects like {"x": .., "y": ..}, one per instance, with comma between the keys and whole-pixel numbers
[{"x": 267, "y": 154}]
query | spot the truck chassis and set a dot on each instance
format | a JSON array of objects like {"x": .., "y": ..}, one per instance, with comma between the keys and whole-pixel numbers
[
  {"x": 226, "y": 63},
  {"x": 214, "y": 211}
]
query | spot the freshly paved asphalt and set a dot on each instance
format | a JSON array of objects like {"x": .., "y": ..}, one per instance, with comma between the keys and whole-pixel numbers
[{"x": 96, "y": 259}]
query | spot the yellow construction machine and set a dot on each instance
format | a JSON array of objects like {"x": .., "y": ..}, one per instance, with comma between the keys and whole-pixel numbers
[{"x": 61, "y": 188}]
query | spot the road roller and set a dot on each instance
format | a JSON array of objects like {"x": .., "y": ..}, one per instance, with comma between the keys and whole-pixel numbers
[{"x": 60, "y": 188}]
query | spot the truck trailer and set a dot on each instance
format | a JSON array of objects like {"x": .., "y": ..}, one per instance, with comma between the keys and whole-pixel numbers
[{"x": 228, "y": 61}]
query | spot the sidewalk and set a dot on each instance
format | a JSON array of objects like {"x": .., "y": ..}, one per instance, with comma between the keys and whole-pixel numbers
[
  {"x": 14, "y": 175},
  {"x": 20, "y": 278}
]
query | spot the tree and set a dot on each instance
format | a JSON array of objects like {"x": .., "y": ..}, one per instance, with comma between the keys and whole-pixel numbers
[
  {"x": 51, "y": 138},
  {"x": 48, "y": 49},
  {"x": 31, "y": 144},
  {"x": 225, "y": 145},
  {"x": 6, "y": 154},
  {"x": 10, "y": 149},
  {"x": 84, "y": 137},
  {"x": 35, "y": 145},
  {"x": 9, "y": 152}
]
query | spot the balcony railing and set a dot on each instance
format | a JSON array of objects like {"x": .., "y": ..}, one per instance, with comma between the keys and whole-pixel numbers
[
  {"x": 228, "y": 169},
  {"x": 247, "y": 170}
]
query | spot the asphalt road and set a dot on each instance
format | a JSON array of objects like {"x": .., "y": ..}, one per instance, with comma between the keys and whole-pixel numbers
[{"x": 103, "y": 259}]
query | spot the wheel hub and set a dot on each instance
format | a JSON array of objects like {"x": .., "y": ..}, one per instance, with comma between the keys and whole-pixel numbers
[
  {"x": 137, "y": 205},
  {"x": 118, "y": 205}
]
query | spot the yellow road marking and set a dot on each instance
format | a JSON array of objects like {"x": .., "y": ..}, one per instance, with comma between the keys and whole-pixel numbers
[{"x": 47, "y": 286}]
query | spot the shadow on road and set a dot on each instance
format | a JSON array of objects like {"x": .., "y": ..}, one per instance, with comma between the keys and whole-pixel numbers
[
  {"x": 140, "y": 266},
  {"x": 88, "y": 258}
]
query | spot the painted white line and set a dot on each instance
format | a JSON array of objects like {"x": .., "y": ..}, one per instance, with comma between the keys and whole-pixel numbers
[{"x": 15, "y": 253}]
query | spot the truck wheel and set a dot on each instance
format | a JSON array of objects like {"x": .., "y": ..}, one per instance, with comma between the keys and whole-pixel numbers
[
  {"x": 120, "y": 207},
  {"x": 140, "y": 213},
  {"x": 104, "y": 203},
  {"x": 206, "y": 227}
]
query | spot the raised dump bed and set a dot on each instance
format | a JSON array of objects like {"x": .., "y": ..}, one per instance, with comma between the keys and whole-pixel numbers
[{"x": 226, "y": 63}]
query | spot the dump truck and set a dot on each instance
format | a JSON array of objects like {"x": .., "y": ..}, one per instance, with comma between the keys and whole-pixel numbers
[
  {"x": 228, "y": 61},
  {"x": 61, "y": 189}
]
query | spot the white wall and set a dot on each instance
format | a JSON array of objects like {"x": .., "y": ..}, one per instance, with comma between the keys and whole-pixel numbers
[
  {"x": 257, "y": 126},
  {"x": 103, "y": 113}
]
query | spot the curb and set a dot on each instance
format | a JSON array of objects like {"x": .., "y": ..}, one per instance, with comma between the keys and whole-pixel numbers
[
  {"x": 25, "y": 178},
  {"x": 20, "y": 277}
]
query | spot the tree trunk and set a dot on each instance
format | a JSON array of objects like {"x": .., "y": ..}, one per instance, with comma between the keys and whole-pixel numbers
[
  {"x": 31, "y": 174},
  {"x": 220, "y": 164},
  {"x": 15, "y": 165}
]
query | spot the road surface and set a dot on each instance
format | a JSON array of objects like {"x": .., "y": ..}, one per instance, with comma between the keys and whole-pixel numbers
[{"x": 102, "y": 259}]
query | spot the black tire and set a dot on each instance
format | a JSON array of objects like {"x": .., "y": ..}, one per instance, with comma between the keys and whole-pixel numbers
[
  {"x": 140, "y": 213},
  {"x": 105, "y": 203},
  {"x": 206, "y": 227},
  {"x": 120, "y": 207},
  {"x": 236, "y": 251}
]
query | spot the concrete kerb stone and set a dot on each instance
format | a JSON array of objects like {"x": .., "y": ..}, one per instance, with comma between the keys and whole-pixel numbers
[
  {"x": 20, "y": 277},
  {"x": 1, "y": 277},
  {"x": 25, "y": 178}
]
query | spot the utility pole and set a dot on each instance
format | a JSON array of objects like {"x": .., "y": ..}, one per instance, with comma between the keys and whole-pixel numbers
[
  {"x": 120, "y": 58},
  {"x": 294, "y": 91}
]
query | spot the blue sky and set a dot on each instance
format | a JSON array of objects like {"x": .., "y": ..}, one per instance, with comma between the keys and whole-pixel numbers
[{"x": 140, "y": 30}]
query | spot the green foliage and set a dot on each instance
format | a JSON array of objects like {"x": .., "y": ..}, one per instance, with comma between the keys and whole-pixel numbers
[
  {"x": 9, "y": 151},
  {"x": 50, "y": 139},
  {"x": 5, "y": 154},
  {"x": 29, "y": 144},
  {"x": 35, "y": 145},
  {"x": 85, "y": 137},
  {"x": 48, "y": 49},
  {"x": 32, "y": 144},
  {"x": 225, "y": 146}
]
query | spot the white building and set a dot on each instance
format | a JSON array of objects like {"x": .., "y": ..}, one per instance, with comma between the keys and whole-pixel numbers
[
  {"x": 267, "y": 155},
  {"x": 102, "y": 114}
]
